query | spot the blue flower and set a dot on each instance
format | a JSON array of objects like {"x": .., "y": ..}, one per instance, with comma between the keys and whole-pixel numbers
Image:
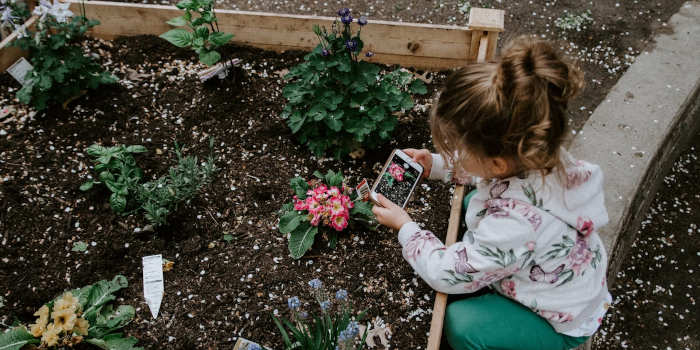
[
  {"x": 341, "y": 294},
  {"x": 325, "y": 52},
  {"x": 362, "y": 20},
  {"x": 325, "y": 305},
  {"x": 344, "y": 12},
  {"x": 293, "y": 303},
  {"x": 369, "y": 54},
  {"x": 315, "y": 283},
  {"x": 351, "y": 45},
  {"x": 346, "y": 19},
  {"x": 353, "y": 329}
]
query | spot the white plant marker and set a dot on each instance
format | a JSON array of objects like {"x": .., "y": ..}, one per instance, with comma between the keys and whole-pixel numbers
[
  {"x": 19, "y": 69},
  {"x": 153, "y": 282}
]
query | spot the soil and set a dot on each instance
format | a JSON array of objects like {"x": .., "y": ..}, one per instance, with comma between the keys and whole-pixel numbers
[
  {"x": 604, "y": 48},
  {"x": 657, "y": 288},
  {"x": 218, "y": 290}
]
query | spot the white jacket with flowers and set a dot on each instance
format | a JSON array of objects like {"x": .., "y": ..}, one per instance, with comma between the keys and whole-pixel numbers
[{"x": 533, "y": 241}]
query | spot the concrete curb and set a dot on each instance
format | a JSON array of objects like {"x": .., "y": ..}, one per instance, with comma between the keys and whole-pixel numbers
[{"x": 647, "y": 118}]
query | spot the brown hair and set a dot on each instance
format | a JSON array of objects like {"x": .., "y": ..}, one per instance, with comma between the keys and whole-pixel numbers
[{"x": 514, "y": 108}]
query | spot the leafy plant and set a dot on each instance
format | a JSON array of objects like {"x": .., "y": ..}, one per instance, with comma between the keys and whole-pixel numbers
[
  {"x": 203, "y": 35},
  {"x": 80, "y": 315},
  {"x": 324, "y": 203},
  {"x": 571, "y": 21},
  {"x": 61, "y": 70},
  {"x": 334, "y": 329},
  {"x": 117, "y": 169},
  {"x": 337, "y": 102}
]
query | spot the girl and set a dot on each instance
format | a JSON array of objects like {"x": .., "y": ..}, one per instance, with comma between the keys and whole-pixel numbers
[{"x": 532, "y": 220}]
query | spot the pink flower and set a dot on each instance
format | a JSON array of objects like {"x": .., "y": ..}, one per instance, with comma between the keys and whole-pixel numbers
[
  {"x": 300, "y": 205},
  {"x": 339, "y": 222},
  {"x": 334, "y": 191},
  {"x": 347, "y": 202},
  {"x": 312, "y": 204},
  {"x": 530, "y": 246},
  {"x": 396, "y": 171},
  {"x": 462, "y": 265},
  {"x": 336, "y": 206},
  {"x": 419, "y": 241},
  {"x": 584, "y": 225},
  {"x": 508, "y": 287},
  {"x": 315, "y": 218},
  {"x": 580, "y": 256}
]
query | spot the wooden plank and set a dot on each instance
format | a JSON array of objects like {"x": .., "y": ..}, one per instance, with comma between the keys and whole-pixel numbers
[
  {"x": 409, "y": 44},
  {"x": 491, "y": 46},
  {"x": 483, "y": 47},
  {"x": 491, "y": 20},
  {"x": 8, "y": 54},
  {"x": 441, "y": 299},
  {"x": 474, "y": 45}
]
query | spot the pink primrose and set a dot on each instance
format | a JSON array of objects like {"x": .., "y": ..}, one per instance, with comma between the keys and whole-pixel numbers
[{"x": 339, "y": 222}]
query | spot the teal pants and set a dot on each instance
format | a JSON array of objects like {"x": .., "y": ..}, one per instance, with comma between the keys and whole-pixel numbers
[{"x": 487, "y": 320}]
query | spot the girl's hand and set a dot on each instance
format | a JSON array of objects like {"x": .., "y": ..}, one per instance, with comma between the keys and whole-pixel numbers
[
  {"x": 422, "y": 157},
  {"x": 390, "y": 214}
]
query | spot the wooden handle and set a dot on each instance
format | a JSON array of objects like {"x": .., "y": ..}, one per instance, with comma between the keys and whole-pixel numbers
[{"x": 440, "y": 298}]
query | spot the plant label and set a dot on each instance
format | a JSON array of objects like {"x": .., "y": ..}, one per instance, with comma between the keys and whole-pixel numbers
[
  {"x": 19, "y": 69},
  {"x": 153, "y": 282},
  {"x": 363, "y": 190},
  {"x": 245, "y": 344}
]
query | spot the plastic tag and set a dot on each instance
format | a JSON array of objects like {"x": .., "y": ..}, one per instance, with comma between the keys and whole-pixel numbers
[
  {"x": 363, "y": 190},
  {"x": 153, "y": 282},
  {"x": 19, "y": 69}
]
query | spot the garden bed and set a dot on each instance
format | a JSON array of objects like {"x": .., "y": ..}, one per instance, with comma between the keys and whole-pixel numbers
[{"x": 218, "y": 289}]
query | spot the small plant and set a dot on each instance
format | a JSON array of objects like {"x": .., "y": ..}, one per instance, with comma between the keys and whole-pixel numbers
[
  {"x": 203, "y": 41},
  {"x": 80, "y": 315},
  {"x": 323, "y": 203},
  {"x": 574, "y": 22},
  {"x": 337, "y": 102},
  {"x": 118, "y": 171},
  {"x": 61, "y": 70},
  {"x": 334, "y": 329}
]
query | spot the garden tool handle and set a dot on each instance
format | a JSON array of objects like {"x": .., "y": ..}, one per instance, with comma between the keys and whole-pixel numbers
[{"x": 441, "y": 298}]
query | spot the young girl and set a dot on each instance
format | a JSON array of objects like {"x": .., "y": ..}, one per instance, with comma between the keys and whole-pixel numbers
[{"x": 532, "y": 220}]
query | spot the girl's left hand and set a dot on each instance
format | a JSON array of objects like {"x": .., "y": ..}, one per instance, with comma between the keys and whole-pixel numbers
[{"x": 390, "y": 214}]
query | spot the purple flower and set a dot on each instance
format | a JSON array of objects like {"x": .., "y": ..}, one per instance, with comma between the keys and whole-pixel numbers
[
  {"x": 341, "y": 294},
  {"x": 362, "y": 20},
  {"x": 325, "y": 305},
  {"x": 351, "y": 45},
  {"x": 325, "y": 52},
  {"x": 346, "y": 19},
  {"x": 315, "y": 283},
  {"x": 369, "y": 54},
  {"x": 344, "y": 12}
]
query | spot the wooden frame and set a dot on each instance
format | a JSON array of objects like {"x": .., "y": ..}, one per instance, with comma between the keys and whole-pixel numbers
[{"x": 424, "y": 46}]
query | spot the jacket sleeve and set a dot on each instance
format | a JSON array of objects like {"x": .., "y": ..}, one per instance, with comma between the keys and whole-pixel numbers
[
  {"x": 444, "y": 171},
  {"x": 495, "y": 250}
]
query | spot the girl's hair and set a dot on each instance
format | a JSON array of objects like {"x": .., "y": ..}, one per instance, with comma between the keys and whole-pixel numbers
[{"x": 514, "y": 108}]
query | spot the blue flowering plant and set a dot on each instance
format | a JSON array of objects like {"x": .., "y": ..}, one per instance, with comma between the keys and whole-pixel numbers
[
  {"x": 337, "y": 102},
  {"x": 13, "y": 14},
  {"x": 335, "y": 328},
  {"x": 61, "y": 69},
  {"x": 202, "y": 33}
]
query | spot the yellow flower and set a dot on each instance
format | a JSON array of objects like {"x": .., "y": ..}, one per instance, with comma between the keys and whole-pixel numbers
[
  {"x": 64, "y": 319},
  {"x": 81, "y": 326},
  {"x": 75, "y": 340},
  {"x": 38, "y": 328},
  {"x": 67, "y": 301},
  {"x": 50, "y": 337}
]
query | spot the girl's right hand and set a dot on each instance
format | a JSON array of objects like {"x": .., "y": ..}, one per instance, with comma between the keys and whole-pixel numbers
[{"x": 422, "y": 157}]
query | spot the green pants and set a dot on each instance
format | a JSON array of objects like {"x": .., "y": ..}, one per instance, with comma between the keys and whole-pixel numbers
[
  {"x": 487, "y": 320},
  {"x": 492, "y": 321}
]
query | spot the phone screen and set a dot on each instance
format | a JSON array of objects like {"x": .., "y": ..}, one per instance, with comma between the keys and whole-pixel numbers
[{"x": 398, "y": 180}]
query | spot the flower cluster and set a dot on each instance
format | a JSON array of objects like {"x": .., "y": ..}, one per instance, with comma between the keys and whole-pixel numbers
[
  {"x": 58, "y": 10},
  {"x": 396, "y": 171},
  {"x": 67, "y": 320},
  {"x": 346, "y": 338},
  {"x": 331, "y": 206}
]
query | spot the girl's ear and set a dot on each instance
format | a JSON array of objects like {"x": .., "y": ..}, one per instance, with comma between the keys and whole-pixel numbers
[{"x": 500, "y": 167}]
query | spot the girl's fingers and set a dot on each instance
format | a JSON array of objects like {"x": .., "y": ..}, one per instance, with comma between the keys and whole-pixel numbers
[{"x": 384, "y": 202}]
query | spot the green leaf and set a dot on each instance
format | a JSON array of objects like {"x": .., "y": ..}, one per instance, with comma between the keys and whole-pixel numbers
[
  {"x": 16, "y": 338},
  {"x": 333, "y": 123},
  {"x": 87, "y": 186},
  {"x": 177, "y": 21},
  {"x": 115, "y": 342},
  {"x": 362, "y": 208},
  {"x": 209, "y": 57},
  {"x": 109, "y": 320},
  {"x": 418, "y": 87},
  {"x": 377, "y": 113},
  {"x": 301, "y": 239},
  {"x": 296, "y": 121},
  {"x": 101, "y": 293},
  {"x": 79, "y": 246},
  {"x": 184, "y": 4},
  {"x": 300, "y": 186},
  {"x": 318, "y": 112},
  {"x": 220, "y": 38},
  {"x": 228, "y": 237},
  {"x": 117, "y": 202},
  {"x": 178, "y": 37},
  {"x": 202, "y": 32},
  {"x": 136, "y": 149},
  {"x": 289, "y": 222}
]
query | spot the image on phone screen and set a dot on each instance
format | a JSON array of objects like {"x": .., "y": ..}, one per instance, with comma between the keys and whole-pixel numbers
[{"x": 398, "y": 180}]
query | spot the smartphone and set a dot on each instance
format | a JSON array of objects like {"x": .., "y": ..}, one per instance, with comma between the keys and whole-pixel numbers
[{"x": 398, "y": 179}]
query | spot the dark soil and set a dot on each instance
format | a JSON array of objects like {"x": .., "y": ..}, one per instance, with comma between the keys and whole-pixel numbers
[
  {"x": 657, "y": 289},
  {"x": 621, "y": 29},
  {"x": 217, "y": 290}
]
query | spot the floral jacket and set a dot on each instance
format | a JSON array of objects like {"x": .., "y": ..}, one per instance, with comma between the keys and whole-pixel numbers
[{"x": 533, "y": 241}]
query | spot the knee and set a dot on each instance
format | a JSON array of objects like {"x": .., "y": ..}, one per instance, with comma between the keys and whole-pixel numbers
[{"x": 462, "y": 328}]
